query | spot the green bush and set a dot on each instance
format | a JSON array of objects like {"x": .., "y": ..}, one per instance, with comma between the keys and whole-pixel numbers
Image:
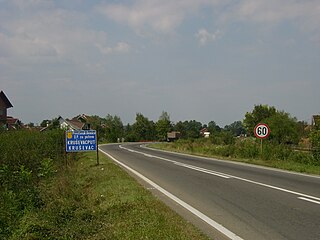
[
  {"x": 247, "y": 148},
  {"x": 304, "y": 158},
  {"x": 26, "y": 157},
  {"x": 315, "y": 140}
]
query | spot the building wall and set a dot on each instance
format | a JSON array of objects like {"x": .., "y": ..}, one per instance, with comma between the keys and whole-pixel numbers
[{"x": 3, "y": 112}]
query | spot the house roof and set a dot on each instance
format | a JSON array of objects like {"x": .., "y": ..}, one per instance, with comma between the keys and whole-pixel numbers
[
  {"x": 76, "y": 124},
  {"x": 13, "y": 123},
  {"x": 73, "y": 123},
  {"x": 6, "y": 101}
]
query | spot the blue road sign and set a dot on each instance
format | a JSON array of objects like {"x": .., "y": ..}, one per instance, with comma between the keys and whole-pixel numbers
[{"x": 81, "y": 140}]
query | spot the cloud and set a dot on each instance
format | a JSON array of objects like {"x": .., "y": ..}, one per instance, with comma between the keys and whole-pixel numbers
[
  {"x": 121, "y": 47},
  {"x": 165, "y": 16},
  {"x": 304, "y": 14},
  {"x": 204, "y": 36},
  {"x": 274, "y": 11},
  {"x": 58, "y": 34},
  {"x": 159, "y": 15}
]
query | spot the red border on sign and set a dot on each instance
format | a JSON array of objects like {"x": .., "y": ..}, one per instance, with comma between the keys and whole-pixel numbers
[{"x": 258, "y": 125}]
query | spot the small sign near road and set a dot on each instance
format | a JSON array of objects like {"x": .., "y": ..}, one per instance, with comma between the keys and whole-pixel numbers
[
  {"x": 262, "y": 130},
  {"x": 81, "y": 140}
]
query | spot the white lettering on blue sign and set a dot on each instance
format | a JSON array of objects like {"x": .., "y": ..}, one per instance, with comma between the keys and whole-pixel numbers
[{"x": 81, "y": 140}]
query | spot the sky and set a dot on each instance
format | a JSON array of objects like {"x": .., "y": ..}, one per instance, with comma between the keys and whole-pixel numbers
[{"x": 204, "y": 60}]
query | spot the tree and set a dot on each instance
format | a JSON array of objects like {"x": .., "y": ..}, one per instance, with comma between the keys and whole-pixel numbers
[
  {"x": 113, "y": 128},
  {"x": 189, "y": 129},
  {"x": 45, "y": 123},
  {"x": 259, "y": 113},
  {"x": 315, "y": 141},
  {"x": 213, "y": 127},
  {"x": 284, "y": 128},
  {"x": 236, "y": 128},
  {"x": 144, "y": 129},
  {"x": 163, "y": 126}
]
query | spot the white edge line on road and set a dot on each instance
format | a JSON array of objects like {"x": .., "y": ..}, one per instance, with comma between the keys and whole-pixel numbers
[
  {"x": 191, "y": 209},
  {"x": 309, "y": 200}
]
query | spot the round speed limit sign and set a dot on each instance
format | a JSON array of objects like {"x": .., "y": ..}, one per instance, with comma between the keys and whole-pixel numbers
[{"x": 262, "y": 130}]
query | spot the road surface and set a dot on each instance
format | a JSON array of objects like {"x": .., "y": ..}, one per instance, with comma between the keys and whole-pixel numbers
[{"x": 238, "y": 200}]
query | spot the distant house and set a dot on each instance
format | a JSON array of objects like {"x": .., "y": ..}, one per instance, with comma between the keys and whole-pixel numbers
[
  {"x": 4, "y": 105},
  {"x": 205, "y": 133},
  {"x": 77, "y": 123},
  {"x": 13, "y": 123}
]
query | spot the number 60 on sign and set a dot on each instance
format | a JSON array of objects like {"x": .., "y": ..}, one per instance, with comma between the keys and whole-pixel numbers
[{"x": 261, "y": 130}]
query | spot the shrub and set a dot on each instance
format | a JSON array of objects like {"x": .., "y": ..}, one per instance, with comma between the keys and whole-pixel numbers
[
  {"x": 25, "y": 158},
  {"x": 247, "y": 148},
  {"x": 315, "y": 141}
]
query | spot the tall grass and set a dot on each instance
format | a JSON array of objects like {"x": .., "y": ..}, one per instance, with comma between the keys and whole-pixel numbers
[
  {"x": 26, "y": 157},
  {"x": 249, "y": 150},
  {"x": 87, "y": 201}
]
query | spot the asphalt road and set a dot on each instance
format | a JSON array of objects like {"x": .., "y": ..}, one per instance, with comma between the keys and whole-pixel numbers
[{"x": 251, "y": 202}]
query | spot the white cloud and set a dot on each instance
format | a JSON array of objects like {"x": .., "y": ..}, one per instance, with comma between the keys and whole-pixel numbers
[
  {"x": 159, "y": 15},
  {"x": 121, "y": 47},
  {"x": 305, "y": 14},
  {"x": 204, "y": 36},
  {"x": 54, "y": 33},
  {"x": 165, "y": 16},
  {"x": 275, "y": 11}
]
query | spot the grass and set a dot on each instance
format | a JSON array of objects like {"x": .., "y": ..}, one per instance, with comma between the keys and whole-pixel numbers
[
  {"x": 290, "y": 165},
  {"x": 87, "y": 201}
]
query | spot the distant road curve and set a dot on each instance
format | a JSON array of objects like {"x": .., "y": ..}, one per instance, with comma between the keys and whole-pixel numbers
[{"x": 239, "y": 200}]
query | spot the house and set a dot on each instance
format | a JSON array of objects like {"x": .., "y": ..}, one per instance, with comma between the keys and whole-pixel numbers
[
  {"x": 13, "y": 123},
  {"x": 205, "y": 133},
  {"x": 4, "y": 105},
  {"x": 79, "y": 122}
]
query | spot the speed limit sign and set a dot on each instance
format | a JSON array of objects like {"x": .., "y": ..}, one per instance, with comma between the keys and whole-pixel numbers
[{"x": 262, "y": 130}]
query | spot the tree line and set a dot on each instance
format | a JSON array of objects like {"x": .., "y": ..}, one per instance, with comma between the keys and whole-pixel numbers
[{"x": 285, "y": 129}]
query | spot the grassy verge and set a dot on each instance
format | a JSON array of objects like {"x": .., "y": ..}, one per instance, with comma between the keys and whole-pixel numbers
[
  {"x": 297, "y": 165},
  {"x": 100, "y": 202}
]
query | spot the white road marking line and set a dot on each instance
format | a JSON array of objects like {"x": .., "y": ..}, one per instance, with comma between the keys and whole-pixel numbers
[
  {"x": 203, "y": 170},
  {"x": 309, "y": 200},
  {"x": 191, "y": 209},
  {"x": 239, "y": 178}
]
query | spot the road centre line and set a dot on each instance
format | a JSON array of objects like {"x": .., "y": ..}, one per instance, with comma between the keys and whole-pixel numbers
[
  {"x": 203, "y": 170},
  {"x": 185, "y": 205},
  {"x": 315, "y": 199}
]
